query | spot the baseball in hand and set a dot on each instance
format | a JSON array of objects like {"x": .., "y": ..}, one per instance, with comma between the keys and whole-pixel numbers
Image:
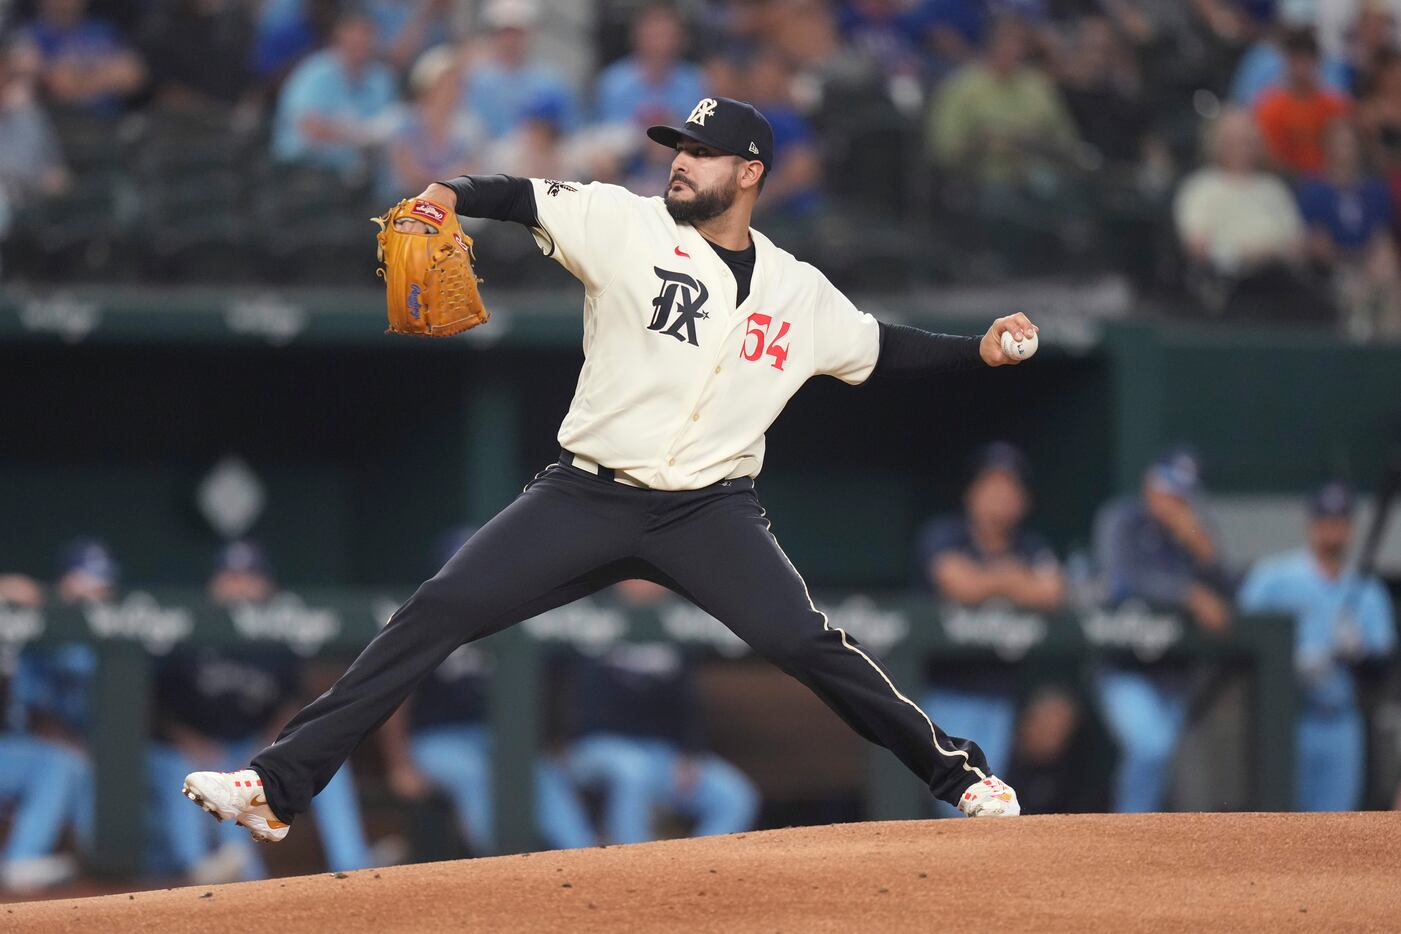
[{"x": 1019, "y": 349}]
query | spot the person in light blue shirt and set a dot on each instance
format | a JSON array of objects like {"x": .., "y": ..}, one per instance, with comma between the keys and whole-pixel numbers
[
  {"x": 327, "y": 111},
  {"x": 1342, "y": 619},
  {"x": 653, "y": 82},
  {"x": 505, "y": 86}
]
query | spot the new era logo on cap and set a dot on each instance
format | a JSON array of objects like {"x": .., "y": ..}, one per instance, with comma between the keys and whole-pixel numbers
[{"x": 753, "y": 147}]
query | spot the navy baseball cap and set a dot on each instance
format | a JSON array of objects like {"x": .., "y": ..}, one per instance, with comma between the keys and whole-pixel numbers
[
  {"x": 1001, "y": 455},
  {"x": 1333, "y": 500},
  {"x": 89, "y": 556},
  {"x": 242, "y": 557},
  {"x": 1179, "y": 471},
  {"x": 725, "y": 124}
]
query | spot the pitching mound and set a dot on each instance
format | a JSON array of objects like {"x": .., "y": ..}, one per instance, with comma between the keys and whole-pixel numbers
[{"x": 1160, "y": 871}]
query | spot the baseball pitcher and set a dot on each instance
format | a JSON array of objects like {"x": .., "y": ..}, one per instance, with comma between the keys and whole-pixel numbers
[{"x": 697, "y": 331}]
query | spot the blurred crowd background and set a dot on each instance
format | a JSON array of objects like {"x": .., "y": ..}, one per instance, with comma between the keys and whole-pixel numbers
[
  {"x": 1221, "y": 158},
  {"x": 1232, "y": 160}
]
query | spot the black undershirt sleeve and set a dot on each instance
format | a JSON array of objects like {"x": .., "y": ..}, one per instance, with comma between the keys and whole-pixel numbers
[
  {"x": 498, "y": 197},
  {"x": 907, "y": 352}
]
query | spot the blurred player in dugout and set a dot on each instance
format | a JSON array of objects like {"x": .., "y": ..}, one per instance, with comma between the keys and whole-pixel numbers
[
  {"x": 639, "y": 738},
  {"x": 987, "y": 557},
  {"x": 45, "y": 771},
  {"x": 1343, "y": 621},
  {"x": 206, "y": 698},
  {"x": 1157, "y": 548}
]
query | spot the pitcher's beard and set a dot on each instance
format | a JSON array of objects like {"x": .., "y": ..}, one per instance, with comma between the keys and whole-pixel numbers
[{"x": 704, "y": 206}]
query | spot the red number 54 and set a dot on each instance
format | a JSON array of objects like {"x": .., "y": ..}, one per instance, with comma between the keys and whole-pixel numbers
[{"x": 759, "y": 330}]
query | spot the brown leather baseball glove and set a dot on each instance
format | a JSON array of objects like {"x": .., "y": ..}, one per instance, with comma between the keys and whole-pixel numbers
[{"x": 429, "y": 283}]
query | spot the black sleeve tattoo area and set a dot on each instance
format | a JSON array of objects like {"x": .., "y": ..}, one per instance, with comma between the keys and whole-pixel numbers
[
  {"x": 498, "y": 197},
  {"x": 907, "y": 352}
]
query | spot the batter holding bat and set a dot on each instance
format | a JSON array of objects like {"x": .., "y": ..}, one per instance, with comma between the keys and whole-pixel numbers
[{"x": 697, "y": 331}]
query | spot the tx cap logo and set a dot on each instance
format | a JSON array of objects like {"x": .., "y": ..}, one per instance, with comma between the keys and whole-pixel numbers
[{"x": 702, "y": 110}]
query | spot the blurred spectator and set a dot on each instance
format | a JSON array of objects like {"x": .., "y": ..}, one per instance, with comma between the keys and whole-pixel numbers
[
  {"x": 1001, "y": 128},
  {"x": 1341, "y": 620},
  {"x": 1356, "y": 31},
  {"x": 653, "y": 84},
  {"x": 31, "y": 165},
  {"x": 793, "y": 191},
  {"x": 214, "y": 707},
  {"x": 986, "y": 557},
  {"x": 910, "y": 41},
  {"x": 1349, "y": 217},
  {"x": 199, "y": 53},
  {"x": 503, "y": 86},
  {"x": 1000, "y": 120},
  {"x": 1104, "y": 93},
  {"x": 285, "y": 31},
  {"x": 407, "y": 28},
  {"x": 536, "y": 148},
  {"x": 1158, "y": 549},
  {"x": 951, "y": 30},
  {"x": 435, "y": 138},
  {"x": 1371, "y": 43},
  {"x": 639, "y": 739},
  {"x": 87, "y": 63},
  {"x": 326, "y": 108},
  {"x": 1265, "y": 68},
  {"x": 1295, "y": 115},
  {"x": 1182, "y": 47},
  {"x": 1379, "y": 118},
  {"x": 439, "y": 740},
  {"x": 804, "y": 32},
  {"x": 1238, "y": 224}
]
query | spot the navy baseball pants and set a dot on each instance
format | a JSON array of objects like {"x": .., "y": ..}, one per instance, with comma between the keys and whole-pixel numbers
[{"x": 571, "y": 533}]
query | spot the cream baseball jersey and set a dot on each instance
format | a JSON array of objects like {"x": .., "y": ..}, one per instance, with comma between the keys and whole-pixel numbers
[{"x": 678, "y": 384}]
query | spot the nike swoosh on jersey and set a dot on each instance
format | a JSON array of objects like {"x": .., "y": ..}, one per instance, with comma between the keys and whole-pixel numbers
[{"x": 679, "y": 252}]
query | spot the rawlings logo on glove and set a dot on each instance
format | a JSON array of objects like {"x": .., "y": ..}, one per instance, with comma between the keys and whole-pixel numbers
[{"x": 430, "y": 287}]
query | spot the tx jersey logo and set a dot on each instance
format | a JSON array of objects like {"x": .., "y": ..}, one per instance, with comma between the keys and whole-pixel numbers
[{"x": 678, "y": 306}]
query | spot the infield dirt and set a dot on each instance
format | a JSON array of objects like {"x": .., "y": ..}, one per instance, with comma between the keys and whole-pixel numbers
[{"x": 1160, "y": 872}]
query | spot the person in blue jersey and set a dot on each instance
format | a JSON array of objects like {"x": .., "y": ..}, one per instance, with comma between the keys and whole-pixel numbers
[{"x": 1342, "y": 619}]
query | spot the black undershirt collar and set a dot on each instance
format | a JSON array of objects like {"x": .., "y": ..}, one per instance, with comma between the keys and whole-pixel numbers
[{"x": 741, "y": 263}]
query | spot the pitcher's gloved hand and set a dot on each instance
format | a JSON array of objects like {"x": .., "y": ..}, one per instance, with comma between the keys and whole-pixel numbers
[{"x": 430, "y": 287}]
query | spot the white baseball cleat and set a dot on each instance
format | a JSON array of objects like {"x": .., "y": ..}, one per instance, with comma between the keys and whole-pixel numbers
[
  {"x": 991, "y": 797},
  {"x": 236, "y": 796}
]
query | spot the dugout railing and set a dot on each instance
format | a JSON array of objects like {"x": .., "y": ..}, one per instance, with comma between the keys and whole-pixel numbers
[{"x": 905, "y": 632}]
